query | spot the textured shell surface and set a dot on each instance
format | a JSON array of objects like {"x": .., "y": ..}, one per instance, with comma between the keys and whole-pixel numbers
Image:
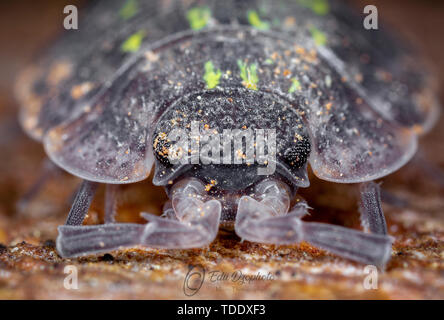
[{"x": 350, "y": 102}]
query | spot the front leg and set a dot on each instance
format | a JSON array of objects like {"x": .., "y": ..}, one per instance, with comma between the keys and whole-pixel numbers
[
  {"x": 81, "y": 203},
  {"x": 258, "y": 221},
  {"x": 194, "y": 225},
  {"x": 372, "y": 216}
]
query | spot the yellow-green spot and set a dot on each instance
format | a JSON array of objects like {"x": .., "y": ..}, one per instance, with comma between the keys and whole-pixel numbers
[
  {"x": 255, "y": 20},
  {"x": 248, "y": 74},
  {"x": 319, "y": 37},
  {"x": 319, "y": 7},
  {"x": 211, "y": 75},
  {"x": 269, "y": 61},
  {"x": 198, "y": 17},
  {"x": 132, "y": 44},
  {"x": 328, "y": 81},
  {"x": 295, "y": 85},
  {"x": 129, "y": 9}
]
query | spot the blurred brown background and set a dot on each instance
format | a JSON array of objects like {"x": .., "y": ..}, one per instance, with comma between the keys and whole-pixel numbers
[{"x": 30, "y": 267}]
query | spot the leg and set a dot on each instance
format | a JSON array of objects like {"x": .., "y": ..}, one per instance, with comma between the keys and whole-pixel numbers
[
  {"x": 195, "y": 224},
  {"x": 81, "y": 204},
  {"x": 48, "y": 170},
  {"x": 372, "y": 216},
  {"x": 111, "y": 202},
  {"x": 257, "y": 221}
]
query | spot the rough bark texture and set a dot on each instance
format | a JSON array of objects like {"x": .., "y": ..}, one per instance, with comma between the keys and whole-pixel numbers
[{"x": 30, "y": 267}]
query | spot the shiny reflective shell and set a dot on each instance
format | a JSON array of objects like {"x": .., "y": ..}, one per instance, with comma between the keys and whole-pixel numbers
[{"x": 356, "y": 100}]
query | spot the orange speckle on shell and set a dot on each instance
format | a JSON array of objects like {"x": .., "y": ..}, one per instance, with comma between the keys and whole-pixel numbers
[
  {"x": 151, "y": 56},
  {"x": 59, "y": 71},
  {"x": 384, "y": 75},
  {"x": 418, "y": 129},
  {"x": 289, "y": 21},
  {"x": 80, "y": 90},
  {"x": 54, "y": 141},
  {"x": 359, "y": 78}
]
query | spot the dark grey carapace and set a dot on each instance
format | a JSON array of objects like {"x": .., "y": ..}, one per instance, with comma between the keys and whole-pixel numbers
[{"x": 350, "y": 102}]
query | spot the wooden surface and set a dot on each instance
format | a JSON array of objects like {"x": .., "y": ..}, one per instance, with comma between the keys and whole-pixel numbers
[{"x": 30, "y": 268}]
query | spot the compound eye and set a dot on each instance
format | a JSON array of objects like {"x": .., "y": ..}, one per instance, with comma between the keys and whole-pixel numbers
[
  {"x": 297, "y": 155},
  {"x": 161, "y": 148}
]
